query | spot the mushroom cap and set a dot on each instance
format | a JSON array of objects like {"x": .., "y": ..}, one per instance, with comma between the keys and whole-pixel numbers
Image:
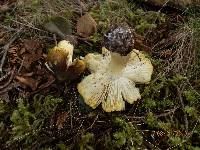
[
  {"x": 60, "y": 57},
  {"x": 66, "y": 46},
  {"x": 119, "y": 39},
  {"x": 113, "y": 79}
]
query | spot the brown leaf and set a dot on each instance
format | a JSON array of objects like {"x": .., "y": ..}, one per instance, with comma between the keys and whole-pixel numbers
[
  {"x": 61, "y": 120},
  {"x": 4, "y": 97},
  {"x": 166, "y": 53},
  {"x": 28, "y": 81},
  {"x": 13, "y": 55},
  {"x": 59, "y": 26},
  {"x": 32, "y": 53},
  {"x": 4, "y": 8},
  {"x": 86, "y": 25},
  {"x": 29, "y": 59},
  {"x": 50, "y": 80},
  {"x": 140, "y": 43},
  {"x": 33, "y": 46}
]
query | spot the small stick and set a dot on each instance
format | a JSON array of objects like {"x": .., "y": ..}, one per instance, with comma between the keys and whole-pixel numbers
[
  {"x": 6, "y": 48},
  {"x": 182, "y": 106},
  {"x": 20, "y": 68},
  {"x": 10, "y": 79},
  {"x": 167, "y": 113},
  {"x": 29, "y": 26},
  {"x": 8, "y": 28},
  {"x": 11, "y": 86},
  {"x": 5, "y": 76},
  {"x": 70, "y": 109},
  {"x": 95, "y": 120}
]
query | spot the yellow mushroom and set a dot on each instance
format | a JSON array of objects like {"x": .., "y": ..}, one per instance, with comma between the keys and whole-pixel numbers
[
  {"x": 60, "y": 61},
  {"x": 60, "y": 57},
  {"x": 113, "y": 77}
]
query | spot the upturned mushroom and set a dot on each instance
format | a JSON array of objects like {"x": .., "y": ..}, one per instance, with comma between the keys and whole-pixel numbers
[
  {"x": 113, "y": 76},
  {"x": 59, "y": 59},
  {"x": 60, "y": 56}
]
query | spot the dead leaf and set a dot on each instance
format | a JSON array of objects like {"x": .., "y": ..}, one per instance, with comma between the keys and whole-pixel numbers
[
  {"x": 59, "y": 26},
  {"x": 50, "y": 80},
  {"x": 4, "y": 8},
  {"x": 29, "y": 59},
  {"x": 3, "y": 36},
  {"x": 61, "y": 120},
  {"x": 32, "y": 53},
  {"x": 4, "y": 97},
  {"x": 28, "y": 81},
  {"x": 140, "y": 43},
  {"x": 13, "y": 55},
  {"x": 28, "y": 74},
  {"x": 86, "y": 25},
  {"x": 167, "y": 53},
  {"x": 33, "y": 46}
]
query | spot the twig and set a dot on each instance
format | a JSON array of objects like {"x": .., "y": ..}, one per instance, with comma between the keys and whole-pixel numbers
[
  {"x": 6, "y": 48},
  {"x": 11, "y": 86},
  {"x": 167, "y": 113},
  {"x": 29, "y": 26},
  {"x": 10, "y": 79},
  {"x": 20, "y": 68},
  {"x": 187, "y": 137},
  {"x": 182, "y": 106},
  {"x": 96, "y": 118},
  {"x": 70, "y": 109},
  {"x": 8, "y": 28},
  {"x": 45, "y": 85},
  {"x": 5, "y": 76}
]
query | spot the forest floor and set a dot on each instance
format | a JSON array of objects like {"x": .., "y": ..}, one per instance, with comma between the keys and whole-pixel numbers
[{"x": 37, "y": 111}]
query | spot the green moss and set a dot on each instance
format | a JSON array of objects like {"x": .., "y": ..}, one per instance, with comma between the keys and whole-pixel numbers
[
  {"x": 108, "y": 13},
  {"x": 126, "y": 136},
  {"x": 28, "y": 120}
]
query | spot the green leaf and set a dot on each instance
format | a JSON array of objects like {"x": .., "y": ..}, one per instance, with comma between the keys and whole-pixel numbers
[
  {"x": 191, "y": 111},
  {"x": 59, "y": 26}
]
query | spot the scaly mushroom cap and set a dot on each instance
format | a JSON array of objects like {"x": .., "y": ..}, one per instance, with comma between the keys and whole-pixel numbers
[
  {"x": 119, "y": 39},
  {"x": 60, "y": 57},
  {"x": 113, "y": 79}
]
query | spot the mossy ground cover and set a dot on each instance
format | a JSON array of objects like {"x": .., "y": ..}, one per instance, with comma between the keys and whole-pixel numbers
[{"x": 55, "y": 116}]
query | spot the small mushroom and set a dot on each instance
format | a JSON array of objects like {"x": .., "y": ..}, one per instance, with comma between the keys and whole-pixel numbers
[
  {"x": 60, "y": 61},
  {"x": 60, "y": 57},
  {"x": 113, "y": 78}
]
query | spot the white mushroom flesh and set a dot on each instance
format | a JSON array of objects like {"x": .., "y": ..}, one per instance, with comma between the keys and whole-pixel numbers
[
  {"x": 113, "y": 79},
  {"x": 68, "y": 48}
]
